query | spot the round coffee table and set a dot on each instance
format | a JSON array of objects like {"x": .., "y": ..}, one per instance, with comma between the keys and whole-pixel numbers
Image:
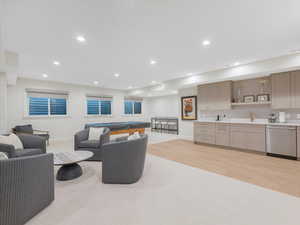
[{"x": 70, "y": 169}]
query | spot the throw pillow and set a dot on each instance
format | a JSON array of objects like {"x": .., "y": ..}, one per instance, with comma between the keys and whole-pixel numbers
[
  {"x": 15, "y": 141},
  {"x": 95, "y": 133},
  {"x": 11, "y": 139},
  {"x": 3, "y": 156},
  {"x": 134, "y": 136}
]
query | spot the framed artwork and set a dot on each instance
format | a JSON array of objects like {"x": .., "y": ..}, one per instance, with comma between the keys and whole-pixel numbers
[
  {"x": 189, "y": 108},
  {"x": 249, "y": 98},
  {"x": 263, "y": 97}
]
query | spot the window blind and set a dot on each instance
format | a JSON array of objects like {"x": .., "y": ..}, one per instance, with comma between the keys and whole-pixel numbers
[
  {"x": 99, "y": 105},
  {"x": 46, "y": 102}
]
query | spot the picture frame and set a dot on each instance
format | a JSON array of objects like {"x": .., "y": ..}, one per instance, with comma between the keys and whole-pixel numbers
[
  {"x": 263, "y": 98},
  {"x": 249, "y": 98},
  {"x": 189, "y": 108}
]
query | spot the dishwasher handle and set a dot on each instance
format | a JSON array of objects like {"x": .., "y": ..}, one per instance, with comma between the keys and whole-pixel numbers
[{"x": 283, "y": 128}]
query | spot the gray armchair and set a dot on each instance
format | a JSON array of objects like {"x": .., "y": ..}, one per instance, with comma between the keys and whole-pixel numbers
[
  {"x": 123, "y": 161},
  {"x": 27, "y": 129},
  {"x": 26, "y": 187},
  {"x": 33, "y": 145},
  {"x": 81, "y": 143}
]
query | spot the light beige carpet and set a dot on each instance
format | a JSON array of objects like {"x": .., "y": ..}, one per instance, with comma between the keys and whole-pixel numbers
[{"x": 169, "y": 193}]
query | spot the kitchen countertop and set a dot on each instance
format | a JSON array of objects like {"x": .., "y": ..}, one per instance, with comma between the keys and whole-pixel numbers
[{"x": 247, "y": 121}]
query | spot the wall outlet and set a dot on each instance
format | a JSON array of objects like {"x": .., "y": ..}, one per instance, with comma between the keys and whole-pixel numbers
[{"x": 298, "y": 116}]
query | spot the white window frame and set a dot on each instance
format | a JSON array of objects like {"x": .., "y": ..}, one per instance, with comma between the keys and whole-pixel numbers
[
  {"x": 133, "y": 114},
  {"x": 109, "y": 98},
  {"x": 49, "y": 92}
]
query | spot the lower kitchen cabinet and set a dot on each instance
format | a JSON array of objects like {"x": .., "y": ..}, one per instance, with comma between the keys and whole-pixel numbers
[
  {"x": 204, "y": 133},
  {"x": 242, "y": 136},
  {"x": 250, "y": 137},
  {"x": 223, "y": 134}
]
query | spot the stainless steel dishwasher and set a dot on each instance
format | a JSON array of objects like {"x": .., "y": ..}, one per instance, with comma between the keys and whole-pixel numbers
[{"x": 282, "y": 141}]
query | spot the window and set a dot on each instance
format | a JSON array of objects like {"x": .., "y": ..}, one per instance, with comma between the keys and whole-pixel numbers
[
  {"x": 132, "y": 106},
  {"x": 46, "y": 103},
  {"x": 99, "y": 105}
]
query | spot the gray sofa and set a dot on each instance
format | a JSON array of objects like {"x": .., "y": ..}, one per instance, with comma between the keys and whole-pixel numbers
[
  {"x": 81, "y": 143},
  {"x": 33, "y": 145},
  {"x": 26, "y": 187},
  {"x": 123, "y": 161}
]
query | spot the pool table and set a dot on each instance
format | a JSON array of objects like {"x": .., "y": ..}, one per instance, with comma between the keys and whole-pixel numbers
[{"x": 122, "y": 127}]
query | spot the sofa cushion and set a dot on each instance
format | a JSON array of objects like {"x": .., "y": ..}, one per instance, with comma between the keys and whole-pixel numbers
[
  {"x": 89, "y": 144},
  {"x": 27, "y": 152},
  {"x": 95, "y": 133},
  {"x": 134, "y": 136}
]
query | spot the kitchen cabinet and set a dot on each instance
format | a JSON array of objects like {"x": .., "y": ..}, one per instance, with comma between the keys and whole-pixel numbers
[
  {"x": 281, "y": 90},
  {"x": 216, "y": 96},
  {"x": 286, "y": 90},
  {"x": 223, "y": 134},
  {"x": 250, "y": 137},
  {"x": 202, "y": 97},
  {"x": 204, "y": 133},
  {"x": 295, "y": 89}
]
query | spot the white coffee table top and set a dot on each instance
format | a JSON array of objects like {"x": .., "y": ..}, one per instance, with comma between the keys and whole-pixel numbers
[{"x": 64, "y": 158}]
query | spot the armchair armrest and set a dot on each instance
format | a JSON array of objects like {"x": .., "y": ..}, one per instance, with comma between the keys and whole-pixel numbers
[
  {"x": 8, "y": 149},
  {"x": 79, "y": 137},
  {"x": 33, "y": 141}
]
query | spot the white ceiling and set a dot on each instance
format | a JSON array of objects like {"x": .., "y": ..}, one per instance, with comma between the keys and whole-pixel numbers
[{"x": 124, "y": 35}]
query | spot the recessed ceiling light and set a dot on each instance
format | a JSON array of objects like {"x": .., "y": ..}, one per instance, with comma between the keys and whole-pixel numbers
[
  {"x": 81, "y": 39},
  {"x": 206, "y": 43},
  {"x": 189, "y": 74},
  {"x": 153, "y": 62},
  {"x": 96, "y": 82},
  {"x": 154, "y": 82},
  {"x": 236, "y": 64},
  {"x": 56, "y": 63},
  {"x": 117, "y": 75},
  {"x": 130, "y": 87},
  {"x": 45, "y": 75}
]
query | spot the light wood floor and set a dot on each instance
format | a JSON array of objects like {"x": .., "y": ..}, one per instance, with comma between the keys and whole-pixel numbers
[{"x": 273, "y": 173}]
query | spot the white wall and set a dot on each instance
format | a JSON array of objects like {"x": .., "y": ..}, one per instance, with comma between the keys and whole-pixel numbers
[
  {"x": 1, "y": 33},
  {"x": 3, "y": 103},
  {"x": 165, "y": 106},
  {"x": 170, "y": 106},
  {"x": 64, "y": 127}
]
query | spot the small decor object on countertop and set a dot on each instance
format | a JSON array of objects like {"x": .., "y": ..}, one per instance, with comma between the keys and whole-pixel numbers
[
  {"x": 249, "y": 98},
  {"x": 263, "y": 98}
]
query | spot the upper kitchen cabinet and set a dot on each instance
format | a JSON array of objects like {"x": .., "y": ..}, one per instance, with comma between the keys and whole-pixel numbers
[
  {"x": 216, "y": 96},
  {"x": 281, "y": 90},
  {"x": 295, "y": 89},
  {"x": 286, "y": 90}
]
